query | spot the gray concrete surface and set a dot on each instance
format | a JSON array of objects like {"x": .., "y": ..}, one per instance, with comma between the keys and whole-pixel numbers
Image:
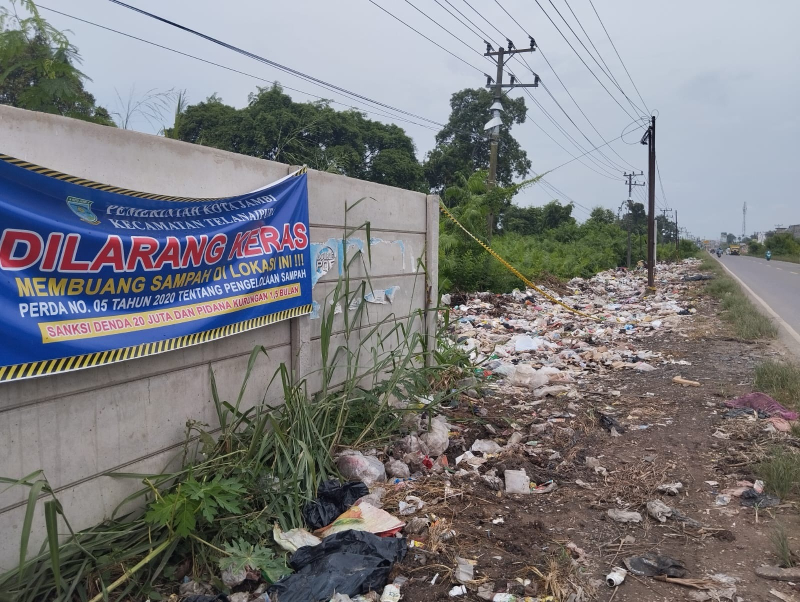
[
  {"x": 131, "y": 416},
  {"x": 775, "y": 286}
]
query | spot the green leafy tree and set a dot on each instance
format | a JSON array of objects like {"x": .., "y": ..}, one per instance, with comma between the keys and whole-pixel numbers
[
  {"x": 37, "y": 67},
  {"x": 272, "y": 126},
  {"x": 462, "y": 146},
  {"x": 601, "y": 215}
]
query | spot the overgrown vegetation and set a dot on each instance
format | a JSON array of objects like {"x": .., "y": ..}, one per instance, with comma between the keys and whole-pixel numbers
[
  {"x": 780, "y": 380},
  {"x": 780, "y": 471},
  {"x": 784, "y": 247},
  {"x": 259, "y": 468},
  {"x": 781, "y": 547},
  {"x": 737, "y": 309},
  {"x": 536, "y": 240}
]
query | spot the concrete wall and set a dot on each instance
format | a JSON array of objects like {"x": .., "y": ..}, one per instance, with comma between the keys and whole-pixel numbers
[{"x": 131, "y": 416}]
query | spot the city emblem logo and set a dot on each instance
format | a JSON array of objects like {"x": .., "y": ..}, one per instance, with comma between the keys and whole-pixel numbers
[{"x": 83, "y": 209}]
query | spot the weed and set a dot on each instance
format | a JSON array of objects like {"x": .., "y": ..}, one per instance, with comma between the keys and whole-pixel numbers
[
  {"x": 780, "y": 471},
  {"x": 780, "y": 380},
  {"x": 738, "y": 310},
  {"x": 780, "y": 546}
]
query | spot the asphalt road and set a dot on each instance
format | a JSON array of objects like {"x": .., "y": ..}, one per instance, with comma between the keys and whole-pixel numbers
[{"x": 777, "y": 283}]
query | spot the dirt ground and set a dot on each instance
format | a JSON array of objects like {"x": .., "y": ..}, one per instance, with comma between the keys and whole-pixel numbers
[{"x": 515, "y": 538}]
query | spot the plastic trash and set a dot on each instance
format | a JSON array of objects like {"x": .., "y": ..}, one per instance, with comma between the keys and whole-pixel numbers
[
  {"x": 762, "y": 402},
  {"x": 624, "y": 516},
  {"x": 486, "y": 446},
  {"x": 363, "y": 517},
  {"x": 517, "y": 482},
  {"x": 525, "y": 376},
  {"x": 231, "y": 579},
  {"x": 458, "y": 590},
  {"x": 653, "y": 565},
  {"x": 671, "y": 488},
  {"x": 332, "y": 499},
  {"x": 465, "y": 570},
  {"x": 659, "y": 510},
  {"x": 410, "y": 505},
  {"x": 679, "y": 380},
  {"x": 616, "y": 576},
  {"x": 397, "y": 468},
  {"x": 437, "y": 438},
  {"x": 391, "y": 593},
  {"x": 355, "y": 466},
  {"x": 291, "y": 541},
  {"x": 349, "y": 563},
  {"x": 751, "y": 498}
]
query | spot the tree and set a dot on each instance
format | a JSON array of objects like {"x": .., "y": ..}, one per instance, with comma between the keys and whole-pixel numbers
[
  {"x": 37, "y": 68},
  {"x": 272, "y": 126},
  {"x": 462, "y": 146},
  {"x": 601, "y": 215},
  {"x": 731, "y": 238}
]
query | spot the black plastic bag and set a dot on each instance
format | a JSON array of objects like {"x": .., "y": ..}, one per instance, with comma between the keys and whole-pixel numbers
[
  {"x": 332, "y": 499},
  {"x": 349, "y": 562},
  {"x": 653, "y": 565}
]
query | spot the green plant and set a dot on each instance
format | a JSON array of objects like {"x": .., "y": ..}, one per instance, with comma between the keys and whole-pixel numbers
[
  {"x": 780, "y": 471},
  {"x": 780, "y": 546},
  {"x": 779, "y": 379},
  {"x": 242, "y": 555}
]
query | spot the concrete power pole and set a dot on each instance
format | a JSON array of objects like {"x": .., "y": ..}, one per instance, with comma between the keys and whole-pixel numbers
[
  {"x": 744, "y": 220},
  {"x": 500, "y": 57},
  {"x": 677, "y": 234},
  {"x": 649, "y": 139},
  {"x": 631, "y": 184}
]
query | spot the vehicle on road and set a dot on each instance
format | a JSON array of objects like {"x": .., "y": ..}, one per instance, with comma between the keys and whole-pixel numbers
[
  {"x": 735, "y": 249},
  {"x": 719, "y": 252},
  {"x": 769, "y": 255}
]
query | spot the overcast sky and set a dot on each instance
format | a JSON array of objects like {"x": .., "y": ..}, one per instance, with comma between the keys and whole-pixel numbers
[{"x": 721, "y": 75}]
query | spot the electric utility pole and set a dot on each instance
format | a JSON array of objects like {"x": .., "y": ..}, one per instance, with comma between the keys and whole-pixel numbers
[
  {"x": 649, "y": 139},
  {"x": 677, "y": 234},
  {"x": 631, "y": 184},
  {"x": 500, "y": 57}
]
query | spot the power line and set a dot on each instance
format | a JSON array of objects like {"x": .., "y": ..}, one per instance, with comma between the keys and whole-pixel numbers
[
  {"x": 420, "y": 33},
  {"x": 618, "y": 56},
  {"x": 278, "y": 66},
  {"x": 614, "y": 98},
  {"x": 371, "y": 110},
  {"x": 589, "y": 38},
  {"x": 563, "y": 85},
  {"x": 635, "y": 108}
]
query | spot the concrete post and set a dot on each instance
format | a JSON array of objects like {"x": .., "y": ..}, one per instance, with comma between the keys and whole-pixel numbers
[{"x": 431, "y": 273}]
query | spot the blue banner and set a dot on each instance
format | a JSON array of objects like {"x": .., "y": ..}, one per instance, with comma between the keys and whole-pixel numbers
[{"x": 91, "y": 274}]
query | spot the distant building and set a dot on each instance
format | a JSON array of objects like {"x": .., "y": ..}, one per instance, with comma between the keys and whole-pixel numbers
[
  {"x": 794, "y": 230},
  {"x": 780, "y": 230},
  {"x": 761, "y": 237}
]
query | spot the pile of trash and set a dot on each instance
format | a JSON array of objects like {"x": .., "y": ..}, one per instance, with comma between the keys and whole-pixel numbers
[{"x": 531, "y": 342}]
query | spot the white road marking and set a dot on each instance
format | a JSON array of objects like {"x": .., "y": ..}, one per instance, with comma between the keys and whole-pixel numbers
[
  {"x": 795, "y": 273},
  {"x": 792, "y": 332},
  {"x": 777, "y": 268}
]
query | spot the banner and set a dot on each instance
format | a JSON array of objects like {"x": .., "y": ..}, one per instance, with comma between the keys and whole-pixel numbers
[{"x": 91, "y": 274}]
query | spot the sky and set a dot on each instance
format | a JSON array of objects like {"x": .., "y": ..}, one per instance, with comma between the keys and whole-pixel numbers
[{"x": 720, "y": 75}]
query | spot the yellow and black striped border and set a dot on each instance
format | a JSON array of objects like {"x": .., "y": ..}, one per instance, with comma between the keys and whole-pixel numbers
[
  {"x": 52, "y": 173},
  {"x": 102, "y": 358}
]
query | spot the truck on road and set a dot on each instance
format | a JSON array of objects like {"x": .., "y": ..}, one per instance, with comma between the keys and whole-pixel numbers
[{"x": 735, "y": 249}]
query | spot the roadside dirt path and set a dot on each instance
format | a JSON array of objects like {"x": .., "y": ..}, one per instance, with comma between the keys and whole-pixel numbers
[{"x": 516, "y": 538}]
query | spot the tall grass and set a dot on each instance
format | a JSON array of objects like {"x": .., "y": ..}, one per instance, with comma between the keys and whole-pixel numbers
[
  {"x": 260, "y": 467},
  {"x": 737, "y": 309},
  {"x": 781, "y": 380}
]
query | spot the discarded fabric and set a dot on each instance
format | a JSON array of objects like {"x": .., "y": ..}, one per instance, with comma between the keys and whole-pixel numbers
[{"x": 763, "y": 402}]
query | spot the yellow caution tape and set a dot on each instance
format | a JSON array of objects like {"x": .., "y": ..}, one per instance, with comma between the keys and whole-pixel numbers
[{"x": 514, "y": 270}]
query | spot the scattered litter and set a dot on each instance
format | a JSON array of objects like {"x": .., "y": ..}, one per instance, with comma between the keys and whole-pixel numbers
[
  {"x": 643, "y": 367},
  {"x": 231, "y": 579},
  {"x": 671, "y": 488},
  {"x": 546, "y": 487},
  {"x": 355, "y": 466},
  {"x": 762, "y": 402},
  {"x": 332, "y": 499},
  {"x": 685, "y": 382},
  {"x": 659, "y": 510},
  {"x": 363, "y": 517},
  {"x": 652, "y": 565},
  {"x": 410, "y": 505},
  {"x": 721, "y": 434},
  {"x": 753, "y": 499},
  {"x": 465, "y": 570},
  {"x": 437, "y": 438},
  {"x": 391, "y": 593},
  {"x": 712, "y": 483},
  {"x": 624, "y": 516},
  {"x": 349, "y": 563},
  {"x": 780, "y": 424},
  {"x": 290, "y": 541},
  {"x": 584, "y": 485},
  {"x": 616, "y": 576},
  {"x": 517, "y": 481},
  {"x": 458, "y": 590},
  {"x": 486, "y": 446},
  {"x": 722, "y": 500},
  {"x": 397, "y": 468}
]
